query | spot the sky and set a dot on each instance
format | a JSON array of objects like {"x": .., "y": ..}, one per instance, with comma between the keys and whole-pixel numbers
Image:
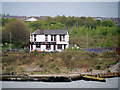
[{"x": 100, "y": 9}]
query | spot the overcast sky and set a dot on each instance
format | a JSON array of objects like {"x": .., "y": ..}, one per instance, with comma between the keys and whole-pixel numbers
[{"x": 102, "y": 9}]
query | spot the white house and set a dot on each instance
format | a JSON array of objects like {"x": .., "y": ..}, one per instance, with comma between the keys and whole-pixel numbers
[
  {"x": 31, "y": 19},
  {"x": 49, "y": 40}
]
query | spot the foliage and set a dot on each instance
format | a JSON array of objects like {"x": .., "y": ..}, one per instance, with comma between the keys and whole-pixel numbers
[
  {"x": 27, "y": 50},
  {"x": 9, "y": 70},
  {"x": 90, "y": 38},
  {"x": 109, "y": 23},
  {"x": 35, "y": 52},
  {"x": 19, "y": 32},
  {"x": 41, "y": 65},
  {"x": 93, "y": 54},
  {"x": 56, "y": 62},
  {"x": 53, "y": 65},
  {"x": 90, "y": 69},
  {"x": 71, "y": 68},
  {"x": 97, "y": 66},
  {"x": 108, "y": 71}
]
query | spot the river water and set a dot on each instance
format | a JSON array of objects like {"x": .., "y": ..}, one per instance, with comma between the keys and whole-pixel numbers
[{"x": 110, "y": 83}]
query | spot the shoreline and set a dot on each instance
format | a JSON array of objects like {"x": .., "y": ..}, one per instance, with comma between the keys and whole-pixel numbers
[{"x": 60, "y": 77}]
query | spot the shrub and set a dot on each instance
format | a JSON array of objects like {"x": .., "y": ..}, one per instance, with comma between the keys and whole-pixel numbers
[
  {"x": 26, "y": 50},
  {"x": 97, "y": 66},
  {"x": 102, "y": 61},
  {"x": 57, "y": 70},
  {"x": 90, "y": 69},
  {"x": 75, "y": 48},
  {"x": 41, "y": 65},
  {"x": 71, "y": 68},
  {"x": 112, "y": 53},
  {"x": 93, "y": 54},
  {"x": 26, "y": 61},
  {"x": 31, "y": 73},
  {"x": 52, "y": 65},
  {"x": 9, "y": 70},
  {"x": 21, "y": 69},
  {"x": 69, "y": 48},
  {"x": 35, "y": 52},
  {"x": 108, "y": 71}
]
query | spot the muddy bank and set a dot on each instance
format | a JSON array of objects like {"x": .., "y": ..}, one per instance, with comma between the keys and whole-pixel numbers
[{"x": 58, "y": 77}]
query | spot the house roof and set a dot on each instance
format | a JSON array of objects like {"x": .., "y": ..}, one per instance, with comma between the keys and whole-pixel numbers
[
  {"x": 50, "y": 32},
  {"x": 32, "y": 19}
]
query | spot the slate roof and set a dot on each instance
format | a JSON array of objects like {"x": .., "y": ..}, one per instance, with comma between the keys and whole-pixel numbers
[{"x": 50, "y": 32}]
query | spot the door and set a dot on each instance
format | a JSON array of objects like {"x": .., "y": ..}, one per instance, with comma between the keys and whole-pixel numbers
[
  {"x": 64, "y": 46},
  {"x": 54, "y": 47}
]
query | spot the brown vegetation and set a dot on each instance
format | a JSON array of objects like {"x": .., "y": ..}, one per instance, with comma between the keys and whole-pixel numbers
[{"x": 62, "y": 62}]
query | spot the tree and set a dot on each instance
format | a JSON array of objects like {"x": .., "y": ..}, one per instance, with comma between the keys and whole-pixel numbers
[
  {"x": 4, "y": 21},
  {"x": 19, "y": 33},
  {"x": 48, "y": 18},
  {"x": 109, "y": 23},
  {"x": 108, "y": 42},
  {"x": 97, "y": 66},
  {"x": 90, "y": 69}
]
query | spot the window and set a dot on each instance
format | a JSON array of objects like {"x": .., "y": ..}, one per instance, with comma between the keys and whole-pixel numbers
[
  {"x": 46, "y": 37},
  {"x": 51, "y": 37},
  {"x": 64, "y": 46},
  {"x": 31, "y": 47},
  {"x": 38, "y": 46},
  {"x": 63, "y": 37},
  {"x": 34, "y": 37},
  {"x": 54, "y": 37},
  {"x": 59, "y": 47},
  {"x": 60, "y": 38},
  {"x": 48, "y": 47}
]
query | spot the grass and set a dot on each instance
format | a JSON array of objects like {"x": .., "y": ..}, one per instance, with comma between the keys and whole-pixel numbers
[{"x": 61, "y": 62}]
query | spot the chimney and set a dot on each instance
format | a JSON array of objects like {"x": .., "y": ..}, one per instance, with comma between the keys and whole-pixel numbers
[{"x": 41, "y": 30}]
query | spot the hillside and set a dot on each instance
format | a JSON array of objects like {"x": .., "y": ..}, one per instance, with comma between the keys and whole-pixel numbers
[{"x": 61, "y": 62}]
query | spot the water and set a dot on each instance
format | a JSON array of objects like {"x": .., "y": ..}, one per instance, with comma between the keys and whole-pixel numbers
[{"x": 110, "y": 83}]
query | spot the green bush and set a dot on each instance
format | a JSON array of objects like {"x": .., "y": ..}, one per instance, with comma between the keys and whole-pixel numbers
[
  {"x": 75, "y": 48},
  {"x": 98, "y": 67},
  {"x": 52, "y": 65},
  {"x": 102, "y": 61},
  {"x": 90, "y": 69},
  {"x": 9, "y": 70},
  {"x": 57, "y": 70},
  {"x": 35, "y": 52},
  {"x": 69, "y": 48},
  {"x": 26, "y": 50},
  {"x": 108, "y": 71},
  {"x": 93, "y": 54},
  {"x": 41, "y": 65},
  {"x": 71, "y": 68}
]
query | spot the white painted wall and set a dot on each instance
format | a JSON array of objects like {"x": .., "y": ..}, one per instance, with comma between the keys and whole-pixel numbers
[
  {"x": 41, "y": 38},
  {"x": 43, "y": 48},
  {"x": 32, "y": 38}
]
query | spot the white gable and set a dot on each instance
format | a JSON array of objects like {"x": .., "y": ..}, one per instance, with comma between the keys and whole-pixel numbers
[{"x": 32, "y": 19}]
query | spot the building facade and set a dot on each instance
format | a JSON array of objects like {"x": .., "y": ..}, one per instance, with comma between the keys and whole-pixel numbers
[{"x": 49, "y": 40}]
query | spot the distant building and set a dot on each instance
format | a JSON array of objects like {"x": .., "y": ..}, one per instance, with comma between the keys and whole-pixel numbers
[
  {"x": 49, "y": 40},
  {"x": 42, "y": 17},
  {"x": 31, "y": 19}
]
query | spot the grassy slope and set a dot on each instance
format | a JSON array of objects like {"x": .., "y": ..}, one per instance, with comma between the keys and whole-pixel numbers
[{"x": 63, "y": 62}]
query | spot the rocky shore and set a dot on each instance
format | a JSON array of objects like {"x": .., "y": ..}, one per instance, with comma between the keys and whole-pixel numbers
[{"x": 59, "y": 77}]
